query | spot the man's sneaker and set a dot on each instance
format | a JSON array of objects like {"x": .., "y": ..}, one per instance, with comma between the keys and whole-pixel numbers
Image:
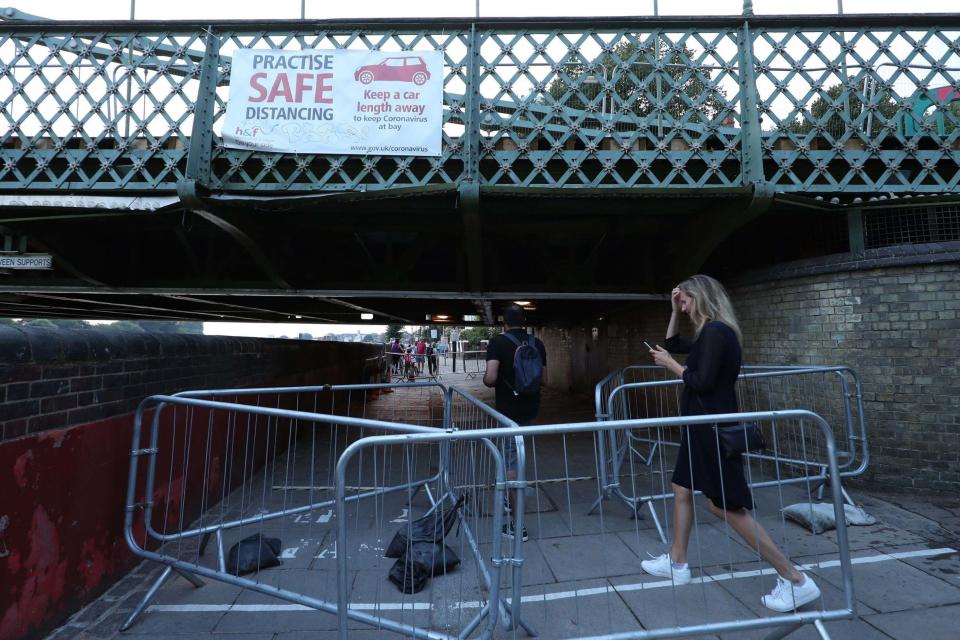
[
  {"x": 508, "y": 531},
  {"x": 663, "y": 566},
  {"x": 787, "y": 596}
]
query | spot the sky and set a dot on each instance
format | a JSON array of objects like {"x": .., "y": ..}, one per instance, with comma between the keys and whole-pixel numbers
[
  {"x": 288, "y": 329},
  {"x": 325, "y": 9}
]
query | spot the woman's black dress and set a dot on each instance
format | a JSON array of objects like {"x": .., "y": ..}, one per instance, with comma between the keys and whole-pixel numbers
[{"x": 713, "y": 365}]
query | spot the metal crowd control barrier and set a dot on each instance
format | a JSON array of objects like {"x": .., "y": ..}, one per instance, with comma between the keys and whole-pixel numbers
[
  {"x": 582, "y": 576},
  {"x": 225, "y": 464},
  {"x": 322, "y": 469},
  {"x": 467, "y": 413},
  {"x": 649, "y": 391},
  {"x": 458, "y": 601},
  {"x": 466, "y": 364}
]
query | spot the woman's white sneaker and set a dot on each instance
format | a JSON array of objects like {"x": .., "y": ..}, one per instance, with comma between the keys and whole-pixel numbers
[
  {"x": 663, "y": 566},
  {"x": 787, "y": 596}
]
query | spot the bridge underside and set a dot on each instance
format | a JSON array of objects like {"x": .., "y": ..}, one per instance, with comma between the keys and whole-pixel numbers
[{"x": 399, "y": 255}]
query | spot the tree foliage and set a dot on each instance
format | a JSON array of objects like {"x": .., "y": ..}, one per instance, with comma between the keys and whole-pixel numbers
[
  {"x": 170, "y": 326},
  {"x": 40, "y": 323},
  {"x": 682, "y": 87},
  {"x": 123, "y": 325},
  {"x": 834, "y": 104},
  {"x": 473, "y": 336},
  {"x": 394, "y": 331},
  {"x": 71, "y": 324}
]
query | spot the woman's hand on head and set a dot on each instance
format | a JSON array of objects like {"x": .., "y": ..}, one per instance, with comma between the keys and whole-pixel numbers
[{"x": 675, "y": 299}]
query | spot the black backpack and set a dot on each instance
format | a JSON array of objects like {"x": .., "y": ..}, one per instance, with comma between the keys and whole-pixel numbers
[{"x": 527, "y": 367}]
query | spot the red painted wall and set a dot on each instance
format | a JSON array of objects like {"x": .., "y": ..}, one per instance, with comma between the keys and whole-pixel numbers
[
  {"x": 64, "y": 493},
  {"x": 63, "y": 490}
]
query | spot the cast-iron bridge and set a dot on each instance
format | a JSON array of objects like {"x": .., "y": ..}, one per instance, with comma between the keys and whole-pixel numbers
[{"x": 587, "y": 164}]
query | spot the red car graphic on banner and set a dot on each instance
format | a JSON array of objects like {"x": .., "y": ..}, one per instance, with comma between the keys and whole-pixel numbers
[{"x": 396, "y": 68}]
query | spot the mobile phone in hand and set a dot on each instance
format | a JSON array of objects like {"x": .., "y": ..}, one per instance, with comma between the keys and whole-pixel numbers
[{"x": 648, "y": 345}]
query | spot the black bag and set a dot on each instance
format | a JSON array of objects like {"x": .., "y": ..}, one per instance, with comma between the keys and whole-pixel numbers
[
  {"x": 252, "y": 554},
  {"x": 737, "y": 439},
  {"x": 437, "y": 557},
  {"x": 421, "y": 561},
  {"x": 431, "y": 528},
  {"x": 409, "y": 576}
]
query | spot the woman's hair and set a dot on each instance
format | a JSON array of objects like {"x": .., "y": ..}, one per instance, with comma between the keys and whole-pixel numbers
[{"x": 713, "y": 303}]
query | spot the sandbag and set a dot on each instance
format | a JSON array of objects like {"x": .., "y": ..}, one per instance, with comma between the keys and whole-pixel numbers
[
  {"x": 253, "y": 554},
  {"x": 819, "y": 517}
]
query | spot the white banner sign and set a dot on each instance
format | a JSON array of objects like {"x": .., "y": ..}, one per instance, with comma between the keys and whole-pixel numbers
[{"x": 335, "y": 102}]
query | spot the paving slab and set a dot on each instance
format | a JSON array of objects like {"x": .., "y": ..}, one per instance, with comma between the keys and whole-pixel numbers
[
  {"x": 557, "y": 613},
  {"x": 856, "y": 629},
  {"x": 944, "y": 566},
  {"x": 659, "y": 605},
  {"x": 894, "y": 586},
  {"x": 933, "y": 623},
  {"x": 588, "y": 556}
]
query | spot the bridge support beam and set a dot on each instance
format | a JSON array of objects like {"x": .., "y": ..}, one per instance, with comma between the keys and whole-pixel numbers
[{"x": 709, "y": 229}]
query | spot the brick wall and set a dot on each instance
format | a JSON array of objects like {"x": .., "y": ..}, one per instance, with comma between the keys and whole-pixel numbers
[
  {"x": 51, "y": 379},
  {"x": 66, "y": 403},
  {"x": 898, "y": 328},
  {"x": 891, "y": 315}
]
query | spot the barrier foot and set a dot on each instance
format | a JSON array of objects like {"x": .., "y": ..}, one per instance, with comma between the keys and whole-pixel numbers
[
  {"x": 656, "y": 521},
  {"x": 596, "y": 503},
  {"x": 823, "y": 484},
  {"x": 818, "y": 625},
  {"x": 512, "y": 623},
  {"x": 189, "y": 577},
  {"x": 846, "y": 497},
  {"x": 137, "y": 610}
]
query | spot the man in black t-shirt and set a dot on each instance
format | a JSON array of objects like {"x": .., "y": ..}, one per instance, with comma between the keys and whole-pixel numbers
[{"x": 521, "y": 408}]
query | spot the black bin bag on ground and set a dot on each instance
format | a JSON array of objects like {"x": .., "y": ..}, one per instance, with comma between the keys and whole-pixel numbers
[
  {"x": 253, "y": 554},
  {"x": 438, "y": 558},
  {"x": 410, "y": 577},
  {"x": 431, "y": 528},
  {"x": 421, "y": 561}
]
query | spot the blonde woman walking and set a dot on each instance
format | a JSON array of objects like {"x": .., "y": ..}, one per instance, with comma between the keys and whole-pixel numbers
[{"x": 709, "y": 378}]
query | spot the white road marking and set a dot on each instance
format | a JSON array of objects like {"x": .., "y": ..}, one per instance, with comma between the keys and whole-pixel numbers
[
  {"x": 558, "y": 595},
  {"x": 307, "y": 518}
]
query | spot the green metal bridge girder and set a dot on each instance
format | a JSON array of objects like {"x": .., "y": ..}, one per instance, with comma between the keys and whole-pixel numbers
[{"x": 833, "y": 105}]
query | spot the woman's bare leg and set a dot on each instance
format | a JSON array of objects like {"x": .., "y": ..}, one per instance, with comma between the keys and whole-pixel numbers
[
  {"x": 757, "y": 537},
  {"x": 682, "y": 522}
]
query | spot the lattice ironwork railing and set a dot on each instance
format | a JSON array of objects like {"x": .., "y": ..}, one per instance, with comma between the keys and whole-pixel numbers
[
  {"x": 827, "y": 107},
  {"x": 861, "y": 109}
]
